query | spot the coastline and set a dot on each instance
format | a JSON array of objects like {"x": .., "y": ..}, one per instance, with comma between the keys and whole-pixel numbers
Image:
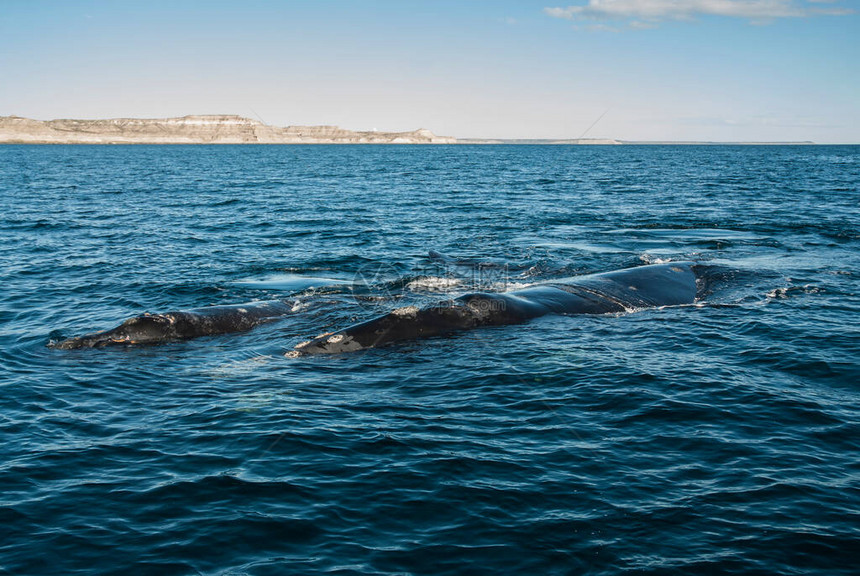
[
  {"x": 195, "y": 129},
  {"x": 234, "y": 129}
]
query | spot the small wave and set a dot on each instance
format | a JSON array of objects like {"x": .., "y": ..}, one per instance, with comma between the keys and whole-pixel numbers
[
  {"x": 290, "y": 283},
  {"x": 239, "y": 367},
  {"x": 227, "y": 202},
  {"x": 509, "y": 286},
  {"x": 789, "y": 291}
]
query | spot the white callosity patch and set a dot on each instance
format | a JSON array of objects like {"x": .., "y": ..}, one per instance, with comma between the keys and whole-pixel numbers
[{"x": 405, "y": 311}]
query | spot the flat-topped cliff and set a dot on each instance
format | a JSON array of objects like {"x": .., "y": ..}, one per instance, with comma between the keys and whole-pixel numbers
[{"x": 206, "y": 129}]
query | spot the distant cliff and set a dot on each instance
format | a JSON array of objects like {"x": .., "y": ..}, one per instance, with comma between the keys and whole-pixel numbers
[{"x": 210, "y": 129}]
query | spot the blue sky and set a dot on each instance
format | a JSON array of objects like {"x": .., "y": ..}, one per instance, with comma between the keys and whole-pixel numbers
[{"x": 654, "y": 69}]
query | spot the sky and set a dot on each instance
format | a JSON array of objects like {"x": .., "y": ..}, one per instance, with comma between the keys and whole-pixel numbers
[{"x": 715, "y": 70}]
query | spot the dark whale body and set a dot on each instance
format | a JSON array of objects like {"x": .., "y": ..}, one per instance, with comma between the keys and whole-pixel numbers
[
  {"x": 611, "y": 292},
  {"x": 651, "y": 286},
  {"x": 180, "y": 325}
]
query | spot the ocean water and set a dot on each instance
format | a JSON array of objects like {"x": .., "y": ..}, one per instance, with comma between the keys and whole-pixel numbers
[{"x": 721, "y": 437}]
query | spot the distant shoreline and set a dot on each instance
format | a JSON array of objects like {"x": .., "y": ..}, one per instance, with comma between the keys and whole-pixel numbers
[
  {"x": 233, "y": 129},
  {"x": 460, "y": 144},
  {"x": 199, "y": 129},
  {"x": 589, "y": 142}
]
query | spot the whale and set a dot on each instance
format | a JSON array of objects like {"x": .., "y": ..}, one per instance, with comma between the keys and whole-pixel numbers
[
  {"x": 181, "y": 325},
  {"x": 148, "y": 329},
  {"x": 657, "y": 285},
  {"x": 626, "y": 290}
]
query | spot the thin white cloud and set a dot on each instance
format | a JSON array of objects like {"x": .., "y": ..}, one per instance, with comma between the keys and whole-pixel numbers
[
  {"x": 650, "y": 11},
  {"x": 602, "y": 28},
  {"x": 757, "y": 121}
]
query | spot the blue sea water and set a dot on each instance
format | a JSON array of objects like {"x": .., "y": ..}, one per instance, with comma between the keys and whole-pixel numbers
[{"x": 721, "y": 437}]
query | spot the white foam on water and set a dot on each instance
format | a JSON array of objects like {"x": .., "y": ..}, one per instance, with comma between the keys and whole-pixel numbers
[
  {"x": 649, "y": 259},
  {"x": 433, "y": 284}
]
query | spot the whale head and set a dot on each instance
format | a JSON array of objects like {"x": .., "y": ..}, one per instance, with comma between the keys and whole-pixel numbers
[
  {"x": 146, "y": 329},
  {"x": 333, "y": 343},
  {"x": 402, "y": 324}
]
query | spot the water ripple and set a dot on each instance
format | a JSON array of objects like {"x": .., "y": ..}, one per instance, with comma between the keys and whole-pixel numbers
[{"x": 717, "y": 438}]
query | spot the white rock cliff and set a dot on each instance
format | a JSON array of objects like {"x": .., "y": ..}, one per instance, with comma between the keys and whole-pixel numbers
[{"x": 207, "y": 129}]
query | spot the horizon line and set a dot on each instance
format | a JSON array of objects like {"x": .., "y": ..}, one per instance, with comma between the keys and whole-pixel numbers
[{"x": 477, "y": 140}]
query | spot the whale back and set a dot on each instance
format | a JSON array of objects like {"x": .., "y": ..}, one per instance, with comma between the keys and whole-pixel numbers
[
  {"x": 669, "y": 284},
  {"x": 643, "y": 287},
  {"x": 181, "y": 324}
]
